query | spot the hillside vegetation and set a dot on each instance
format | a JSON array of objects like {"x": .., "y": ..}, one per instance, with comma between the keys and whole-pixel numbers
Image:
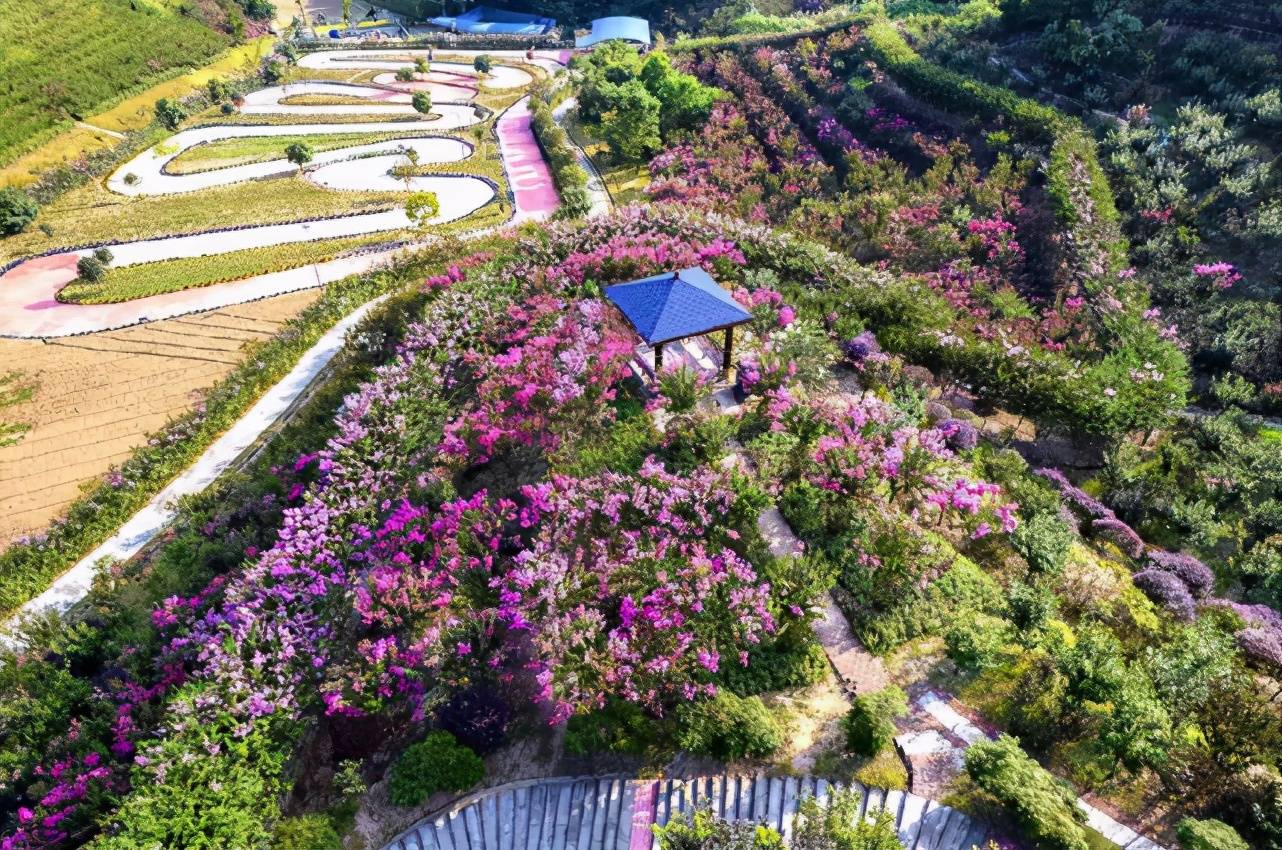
[{"x": 64, "y": 61}]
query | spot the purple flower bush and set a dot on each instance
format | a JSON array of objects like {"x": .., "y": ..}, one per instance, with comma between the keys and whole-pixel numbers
[
  {"x": 862, "y": 453},
  {"x": 1120, "y": 535},
  {"x": 1195, "y": 574},
  {"x": 1081, "y": 502},
  {"x": 1166, "y": 590},
  {"x": 859, "y": 348},
  {"x": 960, "y": 435},
  {"x": 557, "y": 373},
  {"x": 631, "y": 588}
]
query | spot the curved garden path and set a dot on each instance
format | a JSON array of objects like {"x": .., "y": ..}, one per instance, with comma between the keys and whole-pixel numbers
[
  {"x": 30, "y": 309},
  {"x": 616, "y": 813}
]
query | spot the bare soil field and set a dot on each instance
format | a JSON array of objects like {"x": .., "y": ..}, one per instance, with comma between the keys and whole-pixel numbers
[{"x": 99, "y": 395}]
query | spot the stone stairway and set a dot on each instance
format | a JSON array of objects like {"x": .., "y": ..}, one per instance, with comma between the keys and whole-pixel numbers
[{"x": 616, "y": 813}]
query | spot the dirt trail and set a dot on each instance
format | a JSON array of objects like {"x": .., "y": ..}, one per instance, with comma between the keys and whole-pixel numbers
[{"x": 99, "y": 394}]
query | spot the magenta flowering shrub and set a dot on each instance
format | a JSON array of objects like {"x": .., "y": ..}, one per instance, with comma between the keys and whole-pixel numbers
[
  {"x": 1221, "y": 275},
  {"x": 860, "y": 451},
  {"x": 769, "y": 311},
  {"x": 631, "y": 588},
  {"x": 554, "y": 378}
]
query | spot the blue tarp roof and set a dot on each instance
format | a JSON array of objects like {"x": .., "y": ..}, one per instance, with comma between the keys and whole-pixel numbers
[
  {"x": 674, "y": 305},
  {"x": 484, "y": 19},
  {"x": 607, "y": 29}
]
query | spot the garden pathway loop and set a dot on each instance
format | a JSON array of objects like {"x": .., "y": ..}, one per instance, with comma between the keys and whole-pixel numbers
[
  {"x": 29, "y": 308},
  {"x": 614, "y": 813}
]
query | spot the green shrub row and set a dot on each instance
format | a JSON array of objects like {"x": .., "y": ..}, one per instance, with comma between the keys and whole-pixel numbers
[
  {"x": 956, "y": 93},
  {"x": 1044, "y": 807},
  {"x": 751, "y": 41}
]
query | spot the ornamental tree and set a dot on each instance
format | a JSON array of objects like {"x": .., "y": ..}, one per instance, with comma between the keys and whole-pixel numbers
[
  {"x": 422, "y": 207},
  {"x": 299, "y": 153},
  {"x": 17, "y": 210},
  {"x": 631, "y": 126}
]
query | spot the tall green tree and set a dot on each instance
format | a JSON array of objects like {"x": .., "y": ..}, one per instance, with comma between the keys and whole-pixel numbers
[{"x": 631, "y": 127}]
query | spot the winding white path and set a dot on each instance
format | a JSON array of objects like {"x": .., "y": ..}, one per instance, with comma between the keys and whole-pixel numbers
[
  {"x": 72, "y": 585},
  {"x": 500, "y": 76},
  {"x": 147, "y": 174},
  {"x": 28, "y": 291}
]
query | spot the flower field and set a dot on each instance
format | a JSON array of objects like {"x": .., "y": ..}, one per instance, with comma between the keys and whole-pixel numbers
[
  {"x": 985, "y": 266},
  {"x": 492, "y": 513},
  {"x": 946, "y": 522}
]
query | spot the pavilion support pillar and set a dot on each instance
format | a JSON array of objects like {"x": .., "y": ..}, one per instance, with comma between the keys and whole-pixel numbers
[
  {"x": 725, "y": 356},
  {"x": 658, "y": 357}
]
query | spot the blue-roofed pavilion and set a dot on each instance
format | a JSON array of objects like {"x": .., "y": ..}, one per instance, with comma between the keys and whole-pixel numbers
[
  {"x": 676, "y": 305},
  {"x": 616, "y": 28}
]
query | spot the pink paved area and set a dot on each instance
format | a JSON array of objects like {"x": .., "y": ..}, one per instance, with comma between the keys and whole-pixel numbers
[
  {"x": 30, "y": 310},
  {"x": 643, "y": 815},
  {"x": 527, "y": 172}
]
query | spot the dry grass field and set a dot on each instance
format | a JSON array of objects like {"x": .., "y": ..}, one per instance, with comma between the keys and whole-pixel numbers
[{"x": 99, "y": 395}]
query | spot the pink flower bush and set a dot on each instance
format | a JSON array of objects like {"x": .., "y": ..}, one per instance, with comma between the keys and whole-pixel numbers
[
  {"x": 555, "y": 377},
  {"x": 631, "y": 588},
  {"x": 1222, "y": 275}
]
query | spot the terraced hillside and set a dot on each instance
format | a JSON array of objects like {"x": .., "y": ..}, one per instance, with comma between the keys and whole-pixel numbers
[{"x": 63, "y": 61}]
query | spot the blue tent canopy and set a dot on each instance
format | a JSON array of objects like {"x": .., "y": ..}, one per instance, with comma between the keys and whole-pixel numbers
[
  {"x": 621, "y": 28},
  {"x": 675, "y": 305},
  {"x": 484, "y": 19}
]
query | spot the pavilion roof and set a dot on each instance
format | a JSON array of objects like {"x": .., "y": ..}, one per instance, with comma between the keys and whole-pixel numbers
[{"x": 674, "y": 305}]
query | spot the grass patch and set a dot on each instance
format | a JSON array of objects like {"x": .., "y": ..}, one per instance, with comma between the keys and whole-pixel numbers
[
  {"x": 143, "y": 279},
  {"x": 133, "y": 113},
  {"x": 62, "y": 60},
  {"x": 136, "y": 112},
  {"x": 250, "y": 149},
  {"x": 327, "y": 100},
  {"x": 884, "y": 770}
]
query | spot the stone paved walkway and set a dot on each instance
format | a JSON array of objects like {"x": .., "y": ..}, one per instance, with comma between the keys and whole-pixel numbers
[
  {"x": 859, "y": 671},
  {"x": 962, "y": 732},
  {"x": 935, "y": 755},
  {"x": 615, "y": 813}
]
